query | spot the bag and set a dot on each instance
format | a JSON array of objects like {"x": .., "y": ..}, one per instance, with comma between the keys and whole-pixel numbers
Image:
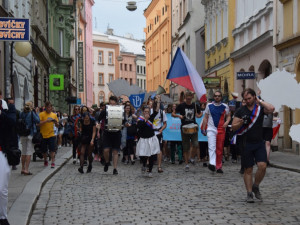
[
  {"x": 21, "y": 127},
  {"x": 37, "y": 138},
  {"x": 132, "y": 130},
  {"x": 13, "y": 156}
]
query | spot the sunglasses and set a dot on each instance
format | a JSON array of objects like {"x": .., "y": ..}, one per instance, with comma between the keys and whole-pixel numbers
[{"x": 217, "y": 96}]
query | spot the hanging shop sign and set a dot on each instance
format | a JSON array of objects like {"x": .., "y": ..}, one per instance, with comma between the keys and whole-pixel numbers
[
  {"x": 80, "y": 67},
  {"x": 56, "y": 82},
  {"x": 212, "y": 82},
  {"x": 14, "y": 29},
  {"x": 245, "y": 75}
]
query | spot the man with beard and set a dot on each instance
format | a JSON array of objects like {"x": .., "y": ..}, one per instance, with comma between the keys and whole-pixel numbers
[{"x": 247, "y": 123}]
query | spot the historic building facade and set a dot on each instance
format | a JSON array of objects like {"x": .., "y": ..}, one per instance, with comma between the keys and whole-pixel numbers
[
  {"x": 219, "y": 43},
  {"x": 287, "y": 43},
  {"x": 158, "y": 43},
  {"x": 253, "y": 42},
  {"x": 141, "y": 71}
]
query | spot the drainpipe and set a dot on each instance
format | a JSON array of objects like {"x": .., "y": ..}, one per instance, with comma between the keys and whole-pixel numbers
[
  {"x": 6, "y": 61},
  {"x": 86, "y": 75},
  {"x": 76, "y": 48}
]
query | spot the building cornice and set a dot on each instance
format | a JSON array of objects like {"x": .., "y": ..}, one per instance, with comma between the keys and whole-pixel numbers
[
  {"x": 157, "y": 30},
  {"x": 288, "y": 43},
  {"x": 217, "y": 67},
  {"x": 284, "y": 1},
  {"x": 267, "y": 36}
]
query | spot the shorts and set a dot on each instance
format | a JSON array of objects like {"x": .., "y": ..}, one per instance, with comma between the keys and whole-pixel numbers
[
  {"x": 254, "y": 153},
  {"x": 85, "y": 140},
  {"x": 27, "y": 146},
  {"x": 186, "y": 138},
  {"x": 267, "y": 133},
  {"x": 48, "y": 144},
  {"x": 112, "y": 140}
]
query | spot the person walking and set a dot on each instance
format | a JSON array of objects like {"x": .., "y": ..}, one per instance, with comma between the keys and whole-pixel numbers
[
  {"x": 148, "y": 145},
  {"x": 214, "y": 126},
  {"x": 31, "y": 119},
  {"x": 187, "y": 112},
  {"x": 48, "y": 120},
  {"x": 248, "y": 123},
  {"x": 88, "y": 133}
]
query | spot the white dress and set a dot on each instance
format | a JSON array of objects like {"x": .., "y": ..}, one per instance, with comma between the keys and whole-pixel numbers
[{"x": 147, "y": 146}]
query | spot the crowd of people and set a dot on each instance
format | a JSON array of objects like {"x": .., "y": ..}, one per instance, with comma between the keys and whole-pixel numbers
[{"x": 240, "y": 129}]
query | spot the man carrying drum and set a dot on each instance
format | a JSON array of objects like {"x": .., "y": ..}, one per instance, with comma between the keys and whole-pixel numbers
[
  {"x": 187, "y": 112},
  {"x": 214, "y": 126}
]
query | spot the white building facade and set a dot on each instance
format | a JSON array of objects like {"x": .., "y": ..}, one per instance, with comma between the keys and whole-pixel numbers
[{"x": 141, "y": 71}]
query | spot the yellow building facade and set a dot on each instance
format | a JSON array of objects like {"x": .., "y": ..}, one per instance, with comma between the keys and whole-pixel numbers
[
  {"x": 158, "y": 43},
  {"x": 287, "y": 43},
  {"x": 219, "y": 43}
]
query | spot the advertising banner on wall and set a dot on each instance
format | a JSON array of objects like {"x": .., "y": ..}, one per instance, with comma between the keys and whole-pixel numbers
[
  {"x": 80, "y": 67},
  {"x": 14, "y": 29}
]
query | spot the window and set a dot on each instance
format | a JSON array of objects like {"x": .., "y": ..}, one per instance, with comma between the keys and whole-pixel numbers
[
  {"x": 130, "y": 81},
  {"x": 130, "y": 67},
  {"x": 155, "y": 20},
  {"x": 100, "y": 57},
  {"x": 144, "y": 69},
  {"x": 137, "y": 68},
  {"x": 101, "y": 79},
  {"x": 61, "y": 43},
  {"x": 126, "y": 79},
  {"x": 125, "y": 65},
  {"x": 166, "y": 8},
  {"x": 110, "y": 58},
  {"x": 145, "y": 84},
  {"x": 138, "y": 82},
  {"x": 163, "y": 11},
  {"x": 111, "y": 77},
  {"x": 121, "y": 66}
]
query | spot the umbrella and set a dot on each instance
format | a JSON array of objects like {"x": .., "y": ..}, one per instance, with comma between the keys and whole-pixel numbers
[{"x": 122, "y": 87}]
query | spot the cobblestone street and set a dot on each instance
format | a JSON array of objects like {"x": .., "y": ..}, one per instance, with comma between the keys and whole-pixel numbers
[{"x": 173, "y": 197}]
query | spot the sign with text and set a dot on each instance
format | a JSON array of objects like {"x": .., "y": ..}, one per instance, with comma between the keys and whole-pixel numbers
[
  {"x": 245, "y": 75},
  {"x": 172, "y": 131},
  {"x": 212, "y": 82},
  {"x": 14, "y": 29},
  {"x": 80, "y": 67}
]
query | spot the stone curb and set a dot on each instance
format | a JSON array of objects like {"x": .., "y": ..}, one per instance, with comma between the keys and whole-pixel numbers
[
  {"x": 21, "y": 210},
  {"x": 285, "y": 167}
]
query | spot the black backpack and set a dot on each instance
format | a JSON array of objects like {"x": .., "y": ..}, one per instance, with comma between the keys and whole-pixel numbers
[{"x": 22, "y": 129}]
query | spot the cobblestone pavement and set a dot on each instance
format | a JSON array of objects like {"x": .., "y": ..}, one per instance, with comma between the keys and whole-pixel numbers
[{"x": 173, "y": 197}]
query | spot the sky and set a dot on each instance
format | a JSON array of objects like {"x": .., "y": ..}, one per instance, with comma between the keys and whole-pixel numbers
[{"x": 113, "y": 13}]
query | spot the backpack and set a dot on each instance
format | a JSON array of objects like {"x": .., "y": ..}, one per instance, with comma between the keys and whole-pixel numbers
[{"x": 22, "y": 129}]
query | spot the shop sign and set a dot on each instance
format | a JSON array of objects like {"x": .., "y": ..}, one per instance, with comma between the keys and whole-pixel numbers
[
  {"x": 14, "y": 29},
  {"x": 212, "y": 82},
  {"x": 80, "y": 67},
  {"x": 245, "y": 75}
]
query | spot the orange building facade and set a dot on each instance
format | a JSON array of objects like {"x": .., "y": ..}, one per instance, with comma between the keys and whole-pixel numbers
[{"x": 158, "y": 43}]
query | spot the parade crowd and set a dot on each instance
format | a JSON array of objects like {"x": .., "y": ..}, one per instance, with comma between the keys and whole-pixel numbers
[{"x": 242, "y": 130}]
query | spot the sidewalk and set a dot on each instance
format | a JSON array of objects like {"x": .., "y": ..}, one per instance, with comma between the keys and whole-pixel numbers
[
  {"x": 23, "y": 191},
  {"x": 285, "y": 160}
]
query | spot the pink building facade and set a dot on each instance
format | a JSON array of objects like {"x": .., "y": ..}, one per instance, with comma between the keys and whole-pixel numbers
[
  {"x": 89, "y": 52},
  {"x": 128, "y": 67}
]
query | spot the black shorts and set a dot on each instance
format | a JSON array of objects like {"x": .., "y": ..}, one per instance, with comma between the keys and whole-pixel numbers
[
  {"x": 48, "y": 144},
  {"x": 267, "y": 133},
  {"x": 254, "y": 153},
  {"x": 112, "y": 140}
]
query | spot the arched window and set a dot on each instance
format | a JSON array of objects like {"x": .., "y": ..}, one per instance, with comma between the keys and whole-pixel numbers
[{"x": 101, "y": 97}]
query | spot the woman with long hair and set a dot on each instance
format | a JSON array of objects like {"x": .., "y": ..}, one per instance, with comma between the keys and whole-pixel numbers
[
  {"x": 88, "y": 133},
  {"x": 73, "y": 122}
]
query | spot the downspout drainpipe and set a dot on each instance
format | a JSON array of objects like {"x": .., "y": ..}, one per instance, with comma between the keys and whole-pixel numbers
[
  {"x": 6, "y": 61},
  {"x": 86, "y": 75}
]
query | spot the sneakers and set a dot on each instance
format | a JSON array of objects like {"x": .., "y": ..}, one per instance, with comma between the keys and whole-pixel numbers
[
  {"x": 45, "y": 163},
  {"x": 89, "y": 169},
  {"x": 126, "y": 162},
  {"x": 187, "y": 168},
  {"x": 204, "y": 164},
  {"x": 150, "y": 175},
  {"x": 132, "y": 162},
  {"x": 85, "y": 163},
  {"x": 80, "y": 169},
  {"x": 59, "y": 146},
  {"x": 220, "y": 171},
  {"x": 211, "y": 167},
  {"x": 250, "y": 197},
  {"x": 74, "y": 161},
  {"x": 106, "y": 167},
  {"x": 115, "y": 172},
  {"x": 52, "y": 165},
  {"x": 256, "y": 192}
]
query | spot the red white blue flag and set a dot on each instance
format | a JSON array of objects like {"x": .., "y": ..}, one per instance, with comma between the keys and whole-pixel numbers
[{"x": 183, "y": 72}]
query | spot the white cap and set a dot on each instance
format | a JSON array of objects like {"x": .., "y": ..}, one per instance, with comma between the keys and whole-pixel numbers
[{"x": 234, "y": 94}]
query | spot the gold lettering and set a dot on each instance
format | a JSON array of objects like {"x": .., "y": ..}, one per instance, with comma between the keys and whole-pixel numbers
[
  {"x": 1, "y": 34},
  {"x": 13, "y": 35},
  {"x": 22, "y": 35},
  {"x": 13, "y": 24}
]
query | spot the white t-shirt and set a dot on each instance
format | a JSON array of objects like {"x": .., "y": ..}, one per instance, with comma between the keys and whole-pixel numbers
[
  {"x": 4, "y": 104},
  {"x": 158, "y": 122},
  {"x": 214, "y": 112}
]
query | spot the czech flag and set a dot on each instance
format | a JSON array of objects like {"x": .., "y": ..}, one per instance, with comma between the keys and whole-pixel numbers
[
  {"x": 182, "y": 72},
  {"x": 276, "y": 126}
]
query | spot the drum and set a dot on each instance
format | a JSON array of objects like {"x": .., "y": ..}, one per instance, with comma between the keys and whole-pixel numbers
[
  {"x": 190, "y": 128},
  {"x": 115, "y": 116}
]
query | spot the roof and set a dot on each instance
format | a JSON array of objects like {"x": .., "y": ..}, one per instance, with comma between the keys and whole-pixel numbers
[{"x": 126, "y": 44}]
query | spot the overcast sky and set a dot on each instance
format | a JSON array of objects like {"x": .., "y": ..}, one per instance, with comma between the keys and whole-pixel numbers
[{"x": 115, "y": 14}]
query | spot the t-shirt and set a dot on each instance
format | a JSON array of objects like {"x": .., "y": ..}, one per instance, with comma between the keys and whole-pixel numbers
[
  {"x": 188, "y": 111},
  {"x": 254, "y": 134},
  {"x": 47, "y": 129},
  {"x": 216, "y": 115},
  {"x": 87, "y": 130},
  {"x": 158, "y": 122}
]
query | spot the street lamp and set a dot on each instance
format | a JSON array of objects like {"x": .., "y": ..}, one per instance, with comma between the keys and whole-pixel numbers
[
  {"x": 131, "y": 6},
  {"x": 23, "y": 48}
]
